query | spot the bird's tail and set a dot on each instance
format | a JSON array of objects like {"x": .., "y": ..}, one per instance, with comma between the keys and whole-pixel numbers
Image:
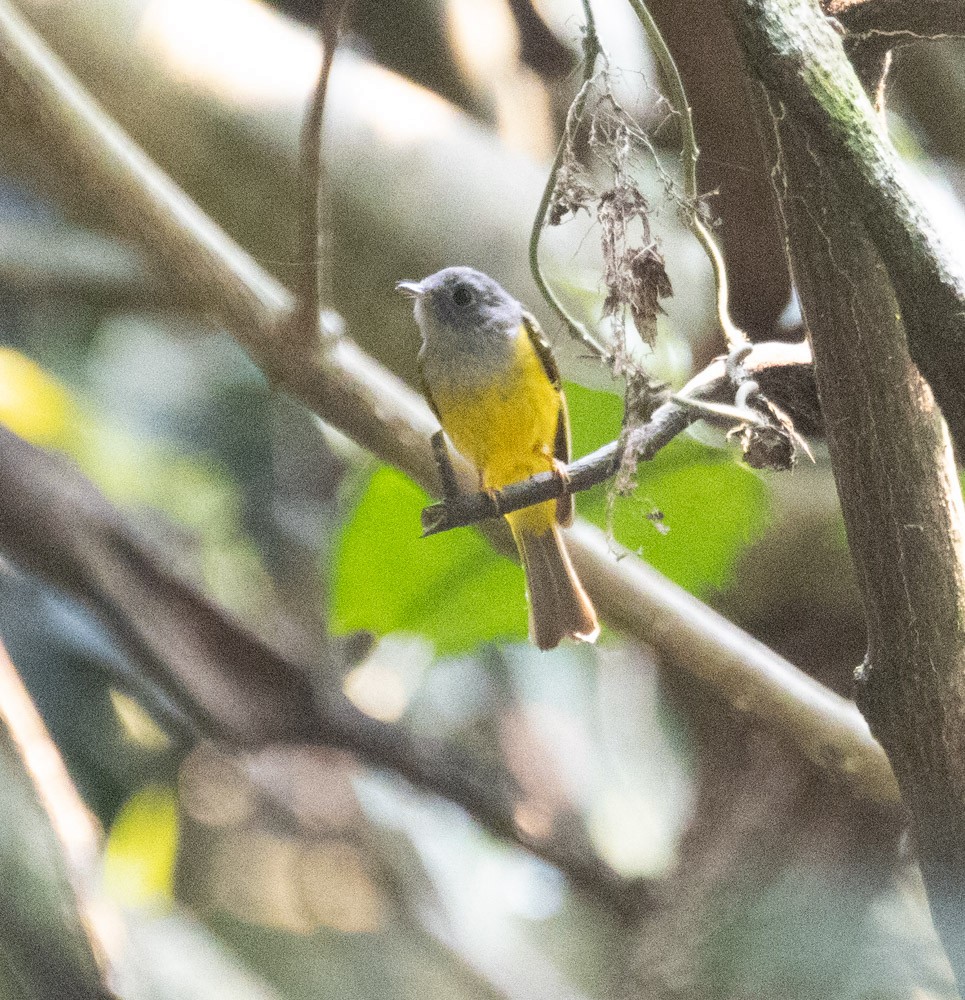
[{"x": 558, "y": 605}]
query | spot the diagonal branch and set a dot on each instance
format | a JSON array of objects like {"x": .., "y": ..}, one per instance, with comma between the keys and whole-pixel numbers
[
  {"x": 88, "y": 159},
  {"x": 225, "y": 681},
  {"x": 53, "y": 937}
]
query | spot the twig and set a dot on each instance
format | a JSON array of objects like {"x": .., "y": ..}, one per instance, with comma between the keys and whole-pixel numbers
[
  {"x": 314, "y": 289},
  {"x": 464, "y": 509},
  {"x": 89, "y": 158},
  {"x": 733, "y": 334},
  {"x": 899, "y": 21},
  {"x": 591, "y": 52},
  {"x": 876, "y": 27}
]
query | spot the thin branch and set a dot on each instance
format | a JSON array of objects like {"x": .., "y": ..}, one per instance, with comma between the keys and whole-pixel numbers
[
  {"x": 591, "y": 53},
  {"x": 88, "y": 157},
  {"x": 54, "y": 938},
  {"x": 314, "y": 290},
  {"x": 677, "y": 97},
  {"x": 69, "y": 818},
  {"x": 464, "y": 509},
  {"x": 898, "y": 21}
]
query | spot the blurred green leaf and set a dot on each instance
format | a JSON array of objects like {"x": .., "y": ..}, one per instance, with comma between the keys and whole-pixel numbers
[{"x": 452, "y": 588}]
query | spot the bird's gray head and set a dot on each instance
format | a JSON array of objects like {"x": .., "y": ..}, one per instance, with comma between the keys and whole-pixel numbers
[{"x": 464, "y": 308}]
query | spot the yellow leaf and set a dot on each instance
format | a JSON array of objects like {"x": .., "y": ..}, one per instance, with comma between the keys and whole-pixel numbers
[
  {"x": 141, "y": 849},
  {"x": 32, "y": 404}
]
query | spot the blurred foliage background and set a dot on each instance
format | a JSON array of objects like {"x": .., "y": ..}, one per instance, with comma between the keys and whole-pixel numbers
[{"x": 294, "y": 872}]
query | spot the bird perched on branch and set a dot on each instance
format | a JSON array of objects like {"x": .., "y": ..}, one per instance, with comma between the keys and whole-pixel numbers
[{"x": 490, "y": 377}]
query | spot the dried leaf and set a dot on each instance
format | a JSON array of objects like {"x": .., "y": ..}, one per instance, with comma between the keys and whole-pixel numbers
[
  {"x": 570, "y": 194},
  {"x": 650, "y": 284},
  {"x": 635, "y": 276}
]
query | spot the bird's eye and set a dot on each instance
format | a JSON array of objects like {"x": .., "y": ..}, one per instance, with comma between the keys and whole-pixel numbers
[{"x": 462, "y": 296}]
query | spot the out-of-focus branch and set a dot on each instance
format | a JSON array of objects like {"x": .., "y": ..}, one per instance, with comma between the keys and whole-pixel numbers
[
  {"x": 189, "y": 123},
  {"x": 225, "y": 681},
  {"x": 48, "y": 861},
  {"x": 86, "y": 153},
  {"x": 58, "y": 526},
  {"x": 315, "y": 282}
]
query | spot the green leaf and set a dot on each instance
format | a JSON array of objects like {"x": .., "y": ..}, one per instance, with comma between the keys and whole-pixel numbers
[
  {"x": 451, "y": 588},
  {"x": 595, "y": 417}
]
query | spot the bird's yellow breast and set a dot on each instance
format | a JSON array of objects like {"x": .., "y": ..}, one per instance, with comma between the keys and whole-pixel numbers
[{"x": 506, "y": 428}]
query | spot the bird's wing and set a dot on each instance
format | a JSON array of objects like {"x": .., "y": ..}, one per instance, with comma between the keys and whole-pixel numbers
[
  {"x": 424, "y": 385},
  {"x": 562, "y": 445}
]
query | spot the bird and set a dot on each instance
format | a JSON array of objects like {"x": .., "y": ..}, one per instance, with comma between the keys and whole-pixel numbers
[{"x": 489, "y": 375}]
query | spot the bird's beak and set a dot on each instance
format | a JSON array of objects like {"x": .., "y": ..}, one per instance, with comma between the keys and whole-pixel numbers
[{"x": 411, "y": 289}]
